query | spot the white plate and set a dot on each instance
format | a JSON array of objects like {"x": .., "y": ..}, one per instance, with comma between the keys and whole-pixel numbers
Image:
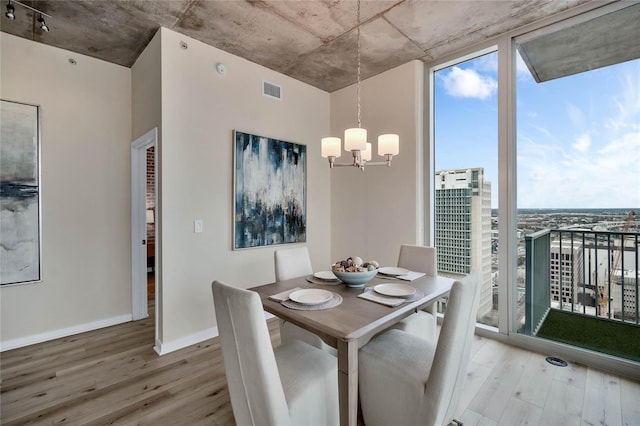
[
  {"x": 325, "y": 275},
  {"x": 395, "y": 290},
  {"x": 393, "y": 271},
  {"x": 311, "y": 296}
]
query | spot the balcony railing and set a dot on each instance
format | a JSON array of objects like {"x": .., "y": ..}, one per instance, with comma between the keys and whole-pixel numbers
[{"x": 586, "y": 272}]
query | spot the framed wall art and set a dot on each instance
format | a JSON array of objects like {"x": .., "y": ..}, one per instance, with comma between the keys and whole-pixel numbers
[
  {"x": 20, "y": 233},
  {"x": 270, "y": 185}
]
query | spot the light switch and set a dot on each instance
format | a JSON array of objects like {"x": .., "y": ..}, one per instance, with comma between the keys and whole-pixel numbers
[{"x": 197, "y": 226}]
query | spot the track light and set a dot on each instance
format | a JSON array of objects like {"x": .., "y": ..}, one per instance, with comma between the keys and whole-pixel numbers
[
  {"x": 10, "y": 11},
  {"x": 43, "y": 25}
]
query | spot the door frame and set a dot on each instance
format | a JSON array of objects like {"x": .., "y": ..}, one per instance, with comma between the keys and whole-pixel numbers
[{"x": 139, "y": 148}]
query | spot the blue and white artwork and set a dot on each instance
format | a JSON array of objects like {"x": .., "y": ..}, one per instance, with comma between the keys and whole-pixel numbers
[
  {"x": 19, "y": 193},
  {"x": 270, "y": 191}
]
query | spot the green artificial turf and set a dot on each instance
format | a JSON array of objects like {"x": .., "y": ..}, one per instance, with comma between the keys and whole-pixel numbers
[{"x": 601, "y": 335}]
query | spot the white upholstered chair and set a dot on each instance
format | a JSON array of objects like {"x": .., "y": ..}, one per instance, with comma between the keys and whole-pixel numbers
[
  {"x": 419, "y": 259},
  {"x": 294, "y": 263},
  {"x": 406, "y": 380},
  {"x": 293, "y": 384}
]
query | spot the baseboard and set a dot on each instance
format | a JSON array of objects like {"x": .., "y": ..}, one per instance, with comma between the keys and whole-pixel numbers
[
  {"x": 162, "y": 348},
  {"x": 63, "y": 332}
]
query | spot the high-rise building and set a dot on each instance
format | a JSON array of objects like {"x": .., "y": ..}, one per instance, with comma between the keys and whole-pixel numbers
[
  {"x": 463, "y": 227},
  {"x": 566, "y": 271},
  {"x": 628, "y": 292}
]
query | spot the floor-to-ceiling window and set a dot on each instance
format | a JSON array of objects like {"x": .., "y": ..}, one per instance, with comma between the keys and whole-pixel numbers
[
  {"x": 466, "y": 172},
  {"x": 563, "y": 133},
  {"x": 577, "y": 91}
]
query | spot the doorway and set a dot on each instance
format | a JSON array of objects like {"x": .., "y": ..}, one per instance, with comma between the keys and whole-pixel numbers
[
  {"x": 150, "y": 222},
  {"x": 144, "y": 235}
]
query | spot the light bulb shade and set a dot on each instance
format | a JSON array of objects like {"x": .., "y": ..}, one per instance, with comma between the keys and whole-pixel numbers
[
  {"x": 355, "y": 139},
  {"x": 10, "y": 12},
  {"x": 388, "y": 144},
  {"x": 331, "y": 147},
  {"x": 366, "y": 154},
  {"x": 43, "y": 25}
]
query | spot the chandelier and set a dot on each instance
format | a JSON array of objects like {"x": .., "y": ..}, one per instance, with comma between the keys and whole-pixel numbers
[{"x": 355, "y": 139}]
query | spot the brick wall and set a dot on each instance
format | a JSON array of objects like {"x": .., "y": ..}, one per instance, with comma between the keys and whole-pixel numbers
[{"x": 151, "y": 200}]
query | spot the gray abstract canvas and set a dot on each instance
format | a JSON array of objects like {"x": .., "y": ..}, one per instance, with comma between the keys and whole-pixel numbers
[
  {"x": 270, "y": 191},
  {"x": 19, "y": 193}
]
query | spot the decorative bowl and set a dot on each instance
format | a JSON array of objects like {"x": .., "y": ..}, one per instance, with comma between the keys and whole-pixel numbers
[{"x": 355, "y": 279}]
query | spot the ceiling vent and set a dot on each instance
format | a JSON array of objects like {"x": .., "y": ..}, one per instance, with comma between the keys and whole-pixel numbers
[{"x": 271, "y": 90}]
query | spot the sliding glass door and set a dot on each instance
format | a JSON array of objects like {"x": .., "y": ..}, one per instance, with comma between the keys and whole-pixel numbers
[{"x": 578, "y": 142}]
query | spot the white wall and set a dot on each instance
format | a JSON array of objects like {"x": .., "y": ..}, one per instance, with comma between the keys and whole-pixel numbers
[
  {"x": 146, "y": 88},
  {"x": 200, "y": 110},
  {"x": 86, "y": 132},
  {"x": 146, "y": 114},
  {"x": 86, "y": 203},
  {"x": 375, "y": 210}
]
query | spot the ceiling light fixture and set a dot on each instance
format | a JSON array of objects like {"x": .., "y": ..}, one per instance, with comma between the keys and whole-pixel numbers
[
  {"x": 355, "y": 139},
  {"x": 11, "y": 13}
]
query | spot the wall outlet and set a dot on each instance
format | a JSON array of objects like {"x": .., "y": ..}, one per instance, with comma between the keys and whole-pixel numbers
[{"x": 197, "y": 226}]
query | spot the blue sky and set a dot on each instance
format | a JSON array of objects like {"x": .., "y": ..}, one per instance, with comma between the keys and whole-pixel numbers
[{"x": 578, "y": 136}]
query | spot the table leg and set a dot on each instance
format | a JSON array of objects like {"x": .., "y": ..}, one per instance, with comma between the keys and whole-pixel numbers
[{"x": 348, "y": 382}]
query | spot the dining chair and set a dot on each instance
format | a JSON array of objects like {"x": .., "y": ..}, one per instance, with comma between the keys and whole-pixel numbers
[
  {"x": 294, "y": 263},
  {"x": 420, "y": 259},
  {"x": 293, "y": 384},
  {"x": 406, "y": 380}
]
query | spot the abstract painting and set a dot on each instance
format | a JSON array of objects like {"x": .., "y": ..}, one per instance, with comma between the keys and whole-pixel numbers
[
  {"x": 270, "y": 187},
  {"x": 19, "y": 193}
]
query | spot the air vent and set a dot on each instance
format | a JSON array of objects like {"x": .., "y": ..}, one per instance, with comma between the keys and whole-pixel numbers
[{"x": 271, "y": 90}]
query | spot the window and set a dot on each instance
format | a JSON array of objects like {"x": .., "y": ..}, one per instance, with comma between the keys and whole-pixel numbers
[
  {"x": 578, "y": 143},
  {"x": 557, "y": 155},
  {"x": 466, "y": 152}
]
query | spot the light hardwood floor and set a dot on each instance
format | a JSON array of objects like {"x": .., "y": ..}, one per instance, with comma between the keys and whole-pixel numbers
[{"x": 113, "y": 376}]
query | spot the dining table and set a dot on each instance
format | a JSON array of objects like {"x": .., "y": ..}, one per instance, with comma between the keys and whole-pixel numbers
[{"x": 351, "y": 324}]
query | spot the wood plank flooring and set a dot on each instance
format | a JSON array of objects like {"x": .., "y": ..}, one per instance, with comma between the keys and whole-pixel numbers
[{"x": 113, "y": 376}]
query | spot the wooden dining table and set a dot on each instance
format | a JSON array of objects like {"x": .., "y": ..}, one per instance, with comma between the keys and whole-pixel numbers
[{"x": 350, "y": 325}]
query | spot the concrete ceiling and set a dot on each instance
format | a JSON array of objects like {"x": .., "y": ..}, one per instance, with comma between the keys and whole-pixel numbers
[{"x": 312, "y": 41}]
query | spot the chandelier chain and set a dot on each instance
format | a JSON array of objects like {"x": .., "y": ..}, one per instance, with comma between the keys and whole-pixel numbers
[{"x": 358, "y": 71}]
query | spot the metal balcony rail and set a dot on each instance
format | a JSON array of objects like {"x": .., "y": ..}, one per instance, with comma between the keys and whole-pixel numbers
[{"x": 592, "y": 273}]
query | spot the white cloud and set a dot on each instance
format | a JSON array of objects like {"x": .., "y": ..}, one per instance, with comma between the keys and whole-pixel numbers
[
  {"x": 582, "y": 143},
  {"x": 627, "y": 102},
  {"x": 628, "y": 145},
  {"x": 467, "y": 83},
  {"x": 599, "y": 167},
  {"x": 554, "y": 177}
]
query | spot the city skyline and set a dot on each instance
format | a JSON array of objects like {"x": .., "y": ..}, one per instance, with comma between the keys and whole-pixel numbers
[{"x": 578, "y": 136}]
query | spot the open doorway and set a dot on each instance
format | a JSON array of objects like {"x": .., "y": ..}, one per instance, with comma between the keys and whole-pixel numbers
[
  {"x": 144, "y": 235},
  {"x": 150, "y": 220}
]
